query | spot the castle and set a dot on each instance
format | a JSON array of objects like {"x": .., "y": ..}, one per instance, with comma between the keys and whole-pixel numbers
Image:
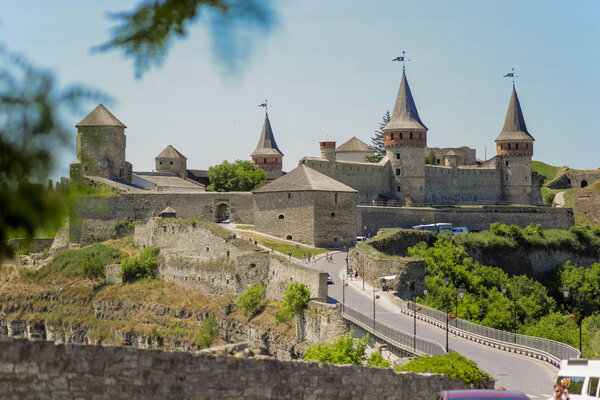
[{"x": 319, "y": 202}]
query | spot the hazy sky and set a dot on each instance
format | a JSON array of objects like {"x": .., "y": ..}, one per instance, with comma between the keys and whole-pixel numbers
[{"x": 326, "y": 70}]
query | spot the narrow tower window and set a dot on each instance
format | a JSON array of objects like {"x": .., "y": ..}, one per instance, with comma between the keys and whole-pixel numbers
[
  {"x": 411, "y": 135},
  {"x": 335, "y": 196},
  {"x": 509, "y": 146},
  {"x": 420, "y": 137},
  {"x": 264, "y": 160},
  {"x": 516, "y": 146},
  {"x": 397, "y": 156},
  {"x": 397, "y": 171},
  {"x": 281, "y": 216},
  {"x": 400, "y": 135},
  {"x": 392, "y": 136},
  {"x": 527, "y": 145}
]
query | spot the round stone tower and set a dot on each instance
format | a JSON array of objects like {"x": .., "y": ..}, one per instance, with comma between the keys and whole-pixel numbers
[
  {"x": 101, "y": 147},
  {"x": 514, "y": 148},
  {"x": 405, "y": 140},
  {"x": 327, "y": 146}
]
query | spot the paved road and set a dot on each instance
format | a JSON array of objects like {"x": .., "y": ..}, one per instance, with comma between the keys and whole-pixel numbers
[{"x": 514, "y": 372}]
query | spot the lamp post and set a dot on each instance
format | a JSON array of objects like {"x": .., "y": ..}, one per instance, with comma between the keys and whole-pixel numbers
[
  {"x": 415, "y": 309},
  {"x": 514, "y": 308},
  {"x": 374, "y": 298},
  {"x": 461, "y": 295},
  {"x": 344, "y": 284},
  {"x": 566, "y": 291},
  {"x": 447, "y": 311}
]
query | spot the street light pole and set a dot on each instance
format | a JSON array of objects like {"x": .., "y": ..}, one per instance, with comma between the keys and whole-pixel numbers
[
  {"x": 425, "y": 290},
  {"x": 566, "y": 292},
  {"x": 343, "y": 292},
  {"x": 374, "y": 289},
  {"x": 461, "y": 295},
  {"x": 514, "y": 308},
  {"x": 447, "y": 311}
]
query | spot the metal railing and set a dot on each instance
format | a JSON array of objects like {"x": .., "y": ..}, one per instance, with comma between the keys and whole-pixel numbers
[
  {"x": 397, "y": 203},
  {"x": 393, "y": 336},
  {"x": 559, "y": 350}
]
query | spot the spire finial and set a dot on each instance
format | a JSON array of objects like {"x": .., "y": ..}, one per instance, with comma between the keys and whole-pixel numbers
[
  {"x": 266, "y": 106},
  {"x": 403, "y": 59},
  {"x": 512, "y": 75}
]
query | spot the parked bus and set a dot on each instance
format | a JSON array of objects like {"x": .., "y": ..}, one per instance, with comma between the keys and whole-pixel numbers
[{"x": 441, "y": 228}]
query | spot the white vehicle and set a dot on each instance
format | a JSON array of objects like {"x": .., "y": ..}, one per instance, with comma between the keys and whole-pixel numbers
[
  {"x": 441, "y": 228},
  {"x": 361, "y": 238},
  {"x": 581, "y": 377}
]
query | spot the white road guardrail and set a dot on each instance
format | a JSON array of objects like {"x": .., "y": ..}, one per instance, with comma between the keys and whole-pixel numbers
[
  {"x": 394, "y": 336},
  {"x": 547, "y": 350}
]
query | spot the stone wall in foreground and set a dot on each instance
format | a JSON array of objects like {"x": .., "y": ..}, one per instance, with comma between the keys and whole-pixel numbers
[{"x": 43, "y": 370}]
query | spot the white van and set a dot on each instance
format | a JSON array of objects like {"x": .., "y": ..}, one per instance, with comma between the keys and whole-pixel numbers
[
  {"x": 361, "y": 238},
  {"x": 581, "y": 377}
]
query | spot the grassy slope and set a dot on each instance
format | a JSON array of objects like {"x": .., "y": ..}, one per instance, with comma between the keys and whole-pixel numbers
[{"x": 547, "y": 170}]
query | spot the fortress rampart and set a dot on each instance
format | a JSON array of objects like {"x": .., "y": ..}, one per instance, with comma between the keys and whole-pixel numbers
[{"x": 43, "y": 370}]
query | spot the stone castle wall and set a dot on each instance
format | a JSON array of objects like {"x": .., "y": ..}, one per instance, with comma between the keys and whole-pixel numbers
[
  {"x": 574, "y": 179},
  {"x": 371, "y": 219},
  {"x": 197, "y": 258},
  {"x": 42, "y": 370},
  {"x": 96, "y": 215},
  {"x": 466, "y": 155},
  {"x": 447, "y": 185},
  {"x": 369, "y": 179}
]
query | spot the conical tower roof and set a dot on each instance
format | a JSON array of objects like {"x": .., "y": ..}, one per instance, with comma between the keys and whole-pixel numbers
[
  {"x": 170, "y": 152},
  {"x": 514, "y": 128},
  {"x": 405, "y": 115},
  {"x": 100, "y": 117},
  {"x": 266, "y": 145}
]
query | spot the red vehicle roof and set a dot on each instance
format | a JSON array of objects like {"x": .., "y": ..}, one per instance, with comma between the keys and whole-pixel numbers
[{"x": 483, "y": 394}]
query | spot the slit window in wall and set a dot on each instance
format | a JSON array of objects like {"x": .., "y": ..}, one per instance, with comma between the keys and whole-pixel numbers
[
  {"x": 400, "y": 135},
  {"x": 335, "y": 197},
  {"x": 332, "y": 215},
  {"x": 501, "y": 146},
  {"x": 411, "y": 135},
  {"x": 289, "y": 195},
  {"x": 526, "y": 146},
  {"x": 281, "y": 216},
  {"x": 516, "y": 146},
  {"x": 165, "y": 229},
  {"x": 509, "y": 146},
  {"x": 264, "y": 160},
  {"x": 506, "y": 163},
  {"x": 171, "y": 162},
  {"x": 252, "y": 265},
  {"x": 228, "y": 281},
  {"x": 397, "y": 171},
  {"x": 392, "y": 136},
  {"x": 397, "y": 188},
  {"x": 397, "y": 156},
  {"x": 207, "y": 249},
  {"x": 227, "y": 253},
  {"x": 420, "y": 137}
]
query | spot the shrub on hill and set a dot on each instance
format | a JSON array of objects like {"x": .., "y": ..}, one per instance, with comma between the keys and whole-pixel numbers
[
  {"x": 137, "y": 267},
  {"x": 396, "y": 242},
  {"x": 249, "y": 301},
  {"x": 344, "y": 350},
  {"x": 295, "y": 301},
  {"x": 453, "y": 365}
]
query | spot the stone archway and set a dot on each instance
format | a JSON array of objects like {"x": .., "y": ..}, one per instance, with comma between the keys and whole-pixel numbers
[
  {"x": 222, "y": 212},
  {"x": 584, "y": 183}
]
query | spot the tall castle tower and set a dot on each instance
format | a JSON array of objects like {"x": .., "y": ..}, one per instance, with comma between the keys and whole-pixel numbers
[
  {"x": 405, "y": 139},
  {"x": 267, "y": 155},
  {"x": 101, "y": 147},
  {"x": 514, "y": 148}
]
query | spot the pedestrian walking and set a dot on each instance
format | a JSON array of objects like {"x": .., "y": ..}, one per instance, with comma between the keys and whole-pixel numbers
[
  {"x": 290, "y": 254},
  {"x": 560, "y": 393},
  {"x": 356, "y": 274}
]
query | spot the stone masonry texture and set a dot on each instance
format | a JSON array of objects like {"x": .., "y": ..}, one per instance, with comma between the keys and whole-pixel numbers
[{"x": 42, "y": 370}]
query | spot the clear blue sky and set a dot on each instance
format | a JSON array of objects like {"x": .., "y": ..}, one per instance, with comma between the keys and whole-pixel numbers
[{"x": 326, "y": 69}]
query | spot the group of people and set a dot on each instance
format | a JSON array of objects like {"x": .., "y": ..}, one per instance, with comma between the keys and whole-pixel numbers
[
  {"x": 351, "y": 273},
  {"x": 311, "y": 257}
]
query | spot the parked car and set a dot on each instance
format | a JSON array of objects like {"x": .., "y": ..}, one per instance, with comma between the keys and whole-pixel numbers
[
  {"x": 459, "y": 229},
  {"x": 329, "y": 279},
  {"x": 361, "y": 238},
  {"x": 481, "y": 394}
]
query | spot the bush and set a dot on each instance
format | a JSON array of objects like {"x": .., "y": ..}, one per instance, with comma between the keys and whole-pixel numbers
[
  {"x": 123, "y": 227},
  {"x": 345, "y": 350},
  {"x": 92, "y": 268},
  {"x": 453, "y": 365},
  {"x": 140, "y": 266},
  {"x": 250, "y": 300},
  {"x": 295, "y": 301},
  {"x": 193, "y": 221},
  {"x": 377, "y": 361},
  {"x": 209, "y": 331}
]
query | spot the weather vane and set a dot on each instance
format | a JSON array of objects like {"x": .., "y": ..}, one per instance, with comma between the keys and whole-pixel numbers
[
  {"x": 512, "y": 75},
  {"x": 403, "y": 59},
  {"x": 265, "y": 105}
]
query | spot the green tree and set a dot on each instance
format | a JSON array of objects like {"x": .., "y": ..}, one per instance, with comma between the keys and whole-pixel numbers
[
  {"x": 146, "y": 33},
  {"x": 377, "y": 140},
  {"x": 430, "y": 158},
  {"x": 344, "y": 350},
  {"x": 249, "y": 300},
  {"x": 295, "y": 301},
  {"x": 453, "y": 364},
  {"x": 233, "y": 177}
]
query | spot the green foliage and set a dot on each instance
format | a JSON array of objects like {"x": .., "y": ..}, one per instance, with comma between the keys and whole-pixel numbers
[
  {"x": 397, "y": 241},
  {"x": 141, "y": 266},
  {"x": 555, "y": 326},
  {"x": 548, "y": 196},
  {"x": 501, "y": 239},
  {"x": 193, "y": 221},
  {"x": 547, "y": 170},
  {"x": 87, "y": 262},
  {"x": 123, "y": 227},
  {"x": 209, "y": 331},
  {"x": 430, "y": 158},
  {"x": 234, "y": 177},
  {"x": 295, "y": 301},
  {"x": 377, "y": 140},
  {"x": 377, "y": 361},
  {"x": 584, "y": 297},
  {"x": 453, "y": 365},
  {"x": 32, "y": 109},
  {"x": 145, "y": 33},
  {"x": 345, "y": 350},
  {"x": 249, "y": 300}
]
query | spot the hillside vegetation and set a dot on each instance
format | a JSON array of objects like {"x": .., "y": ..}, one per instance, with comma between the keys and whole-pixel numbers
[{"x": 549, "y": 171}]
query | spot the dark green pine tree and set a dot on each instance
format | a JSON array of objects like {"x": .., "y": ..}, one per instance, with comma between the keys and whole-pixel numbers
[
  {"x": 377, "y": 140},
  {"x": 430, "y": 158}
]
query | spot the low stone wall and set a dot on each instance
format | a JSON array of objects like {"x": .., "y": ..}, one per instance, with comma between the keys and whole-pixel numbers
[
  {"x": 371, "y": 219},
  {"x": 36, "y": 245},
  {"x": 43, "y": 370},
  {"x": 410, "y": 272}
]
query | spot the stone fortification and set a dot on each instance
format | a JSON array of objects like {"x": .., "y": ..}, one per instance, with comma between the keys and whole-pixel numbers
[
  {"x": 452, "y": 185},
  {"x": 371, "y": 219},
  {"x": 213, "y": 260},
  {"x": 43, "y": 370},
  {"x": 466, "y": 155},
  {"x": 574, "y": 179},
  {"x": 406, "y": 270},
  {"x": 96, "y": 215}
]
